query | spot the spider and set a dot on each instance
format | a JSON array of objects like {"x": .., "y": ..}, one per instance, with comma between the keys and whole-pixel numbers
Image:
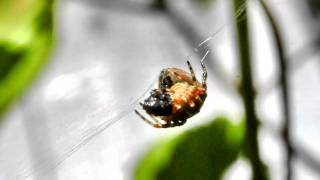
[{"x": 179, "y": 96}]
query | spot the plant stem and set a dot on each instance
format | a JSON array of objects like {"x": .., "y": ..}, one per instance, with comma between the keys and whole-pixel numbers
[
  {"x": 248, "y": 96},
  {"x": 284, "y": 84}
]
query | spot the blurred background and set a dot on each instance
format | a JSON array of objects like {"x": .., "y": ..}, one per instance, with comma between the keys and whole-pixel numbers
[{"x": 73, "y": 71}]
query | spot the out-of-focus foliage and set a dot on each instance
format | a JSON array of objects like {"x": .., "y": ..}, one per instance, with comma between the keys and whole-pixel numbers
[
  {"x": 203, "y": 3},
  {"x": 247, "y": 89},
  {"x": 314, "y": 6},
  {"x": 162, "y": 4},
  {"x": 159, "y": 4},
  {"x": 201, "y": 153},
  {"x": 26, "y": 37}
]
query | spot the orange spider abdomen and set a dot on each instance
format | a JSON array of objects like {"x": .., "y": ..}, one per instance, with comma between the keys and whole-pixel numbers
[{"x": 186, "y": 99}]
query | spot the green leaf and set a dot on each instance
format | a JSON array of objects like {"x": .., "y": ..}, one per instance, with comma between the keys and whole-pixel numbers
[
  {"x": 8, "y": 59},
  {"x": 201, "y": 153},
  {"x": 26, "y": 39}
]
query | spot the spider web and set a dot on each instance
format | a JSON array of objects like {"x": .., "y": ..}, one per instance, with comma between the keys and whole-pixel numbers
[{"x": 110, "y": 116}]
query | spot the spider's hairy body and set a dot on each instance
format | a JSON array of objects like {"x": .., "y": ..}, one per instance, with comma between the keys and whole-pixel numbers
[
  {"x": 171, "y": 76},
  {"x": 179, "y": 96},
  {"x": 187, "y": 100}
]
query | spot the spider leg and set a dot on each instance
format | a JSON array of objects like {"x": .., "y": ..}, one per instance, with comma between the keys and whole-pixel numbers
[
  {"x": 153, "y": 124},
  {"x": 204, "y": 70},
  {"x": 173, "y": 123},
  {"x": 166, "y": 125},
  {"x": 191, "y": 71},
  {"x": 155, "y": 119}
]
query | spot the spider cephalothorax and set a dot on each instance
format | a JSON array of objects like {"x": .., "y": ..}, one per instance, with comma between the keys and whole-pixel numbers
[
  {"x": 158, "y": 103},
  {"x": 178, "y": 97}
]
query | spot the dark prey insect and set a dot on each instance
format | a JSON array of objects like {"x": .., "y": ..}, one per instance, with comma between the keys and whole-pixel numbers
[{"x": 179, "y": 96}]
